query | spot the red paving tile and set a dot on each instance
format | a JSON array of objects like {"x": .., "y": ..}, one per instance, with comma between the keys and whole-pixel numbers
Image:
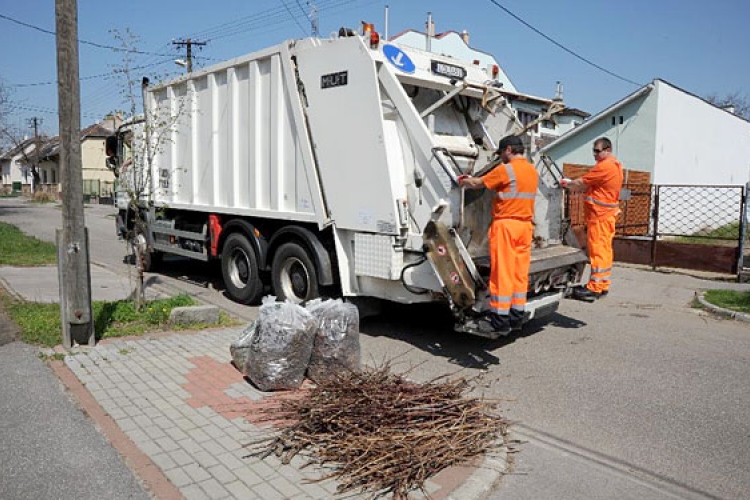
[{"x": 209, "y": 380}]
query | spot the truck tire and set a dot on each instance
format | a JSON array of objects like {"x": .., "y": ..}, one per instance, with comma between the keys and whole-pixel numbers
[
  {"x": 293, "y": 274},
  {"x": 239, "y": 268},
  {"x": 152, "y": 259}
]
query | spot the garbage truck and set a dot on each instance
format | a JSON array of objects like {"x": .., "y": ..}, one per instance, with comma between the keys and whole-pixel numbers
[{"x": 328, "y": 167}]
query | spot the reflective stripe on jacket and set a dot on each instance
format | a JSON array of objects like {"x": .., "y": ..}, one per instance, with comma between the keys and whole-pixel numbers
[
  {"x": 603, "y": 185},
  {"x": 515, "y": 183}
]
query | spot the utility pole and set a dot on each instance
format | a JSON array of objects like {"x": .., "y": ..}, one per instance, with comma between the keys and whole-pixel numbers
[
  {"x": 188, "y": 44},
  {"x": 73, "y": 267},
  {"x": 34, "y": 123}
]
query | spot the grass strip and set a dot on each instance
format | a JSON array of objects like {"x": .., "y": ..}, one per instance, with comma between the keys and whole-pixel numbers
[
  {"x": 17, "y": 249},
  {"x": 729, "y": 299},
  {"x": 40, "y": 323}
]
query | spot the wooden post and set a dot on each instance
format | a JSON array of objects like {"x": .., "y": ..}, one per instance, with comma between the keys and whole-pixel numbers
[{"x": 72, "y": 240}]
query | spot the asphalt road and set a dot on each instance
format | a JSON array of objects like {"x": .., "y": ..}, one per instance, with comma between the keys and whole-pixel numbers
[
  {"x": 636, "y": 396},
  {"x": 48, "y": 447}
]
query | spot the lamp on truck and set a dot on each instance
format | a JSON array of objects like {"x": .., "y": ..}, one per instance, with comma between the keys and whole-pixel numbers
[{"x": 368, "y": 31}]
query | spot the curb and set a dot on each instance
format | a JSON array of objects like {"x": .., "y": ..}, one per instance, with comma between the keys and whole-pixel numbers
[
  {"x": 167, "y": 290},
  {"x": 9, "y": 290},
  {"x": 720, "y": 311},
  {"x": 481, "y": 482}
]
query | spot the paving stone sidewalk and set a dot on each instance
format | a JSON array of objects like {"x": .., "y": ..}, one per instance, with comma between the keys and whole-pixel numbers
[{"x": 186, "y": 407}]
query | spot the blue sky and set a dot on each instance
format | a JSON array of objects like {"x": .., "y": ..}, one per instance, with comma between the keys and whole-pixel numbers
[{"x": 701, "y": 47}]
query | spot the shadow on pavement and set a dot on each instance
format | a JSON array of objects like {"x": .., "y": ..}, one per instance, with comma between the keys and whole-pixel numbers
[{"x": 429, "y": 327}]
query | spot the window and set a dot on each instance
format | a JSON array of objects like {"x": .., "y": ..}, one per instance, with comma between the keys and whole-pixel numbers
[
  {"x": 549, "y": 124},
  {"x": 527, "y": 117}
]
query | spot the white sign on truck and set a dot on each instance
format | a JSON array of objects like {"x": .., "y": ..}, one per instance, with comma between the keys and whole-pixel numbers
[{"x": 329, "y": 167}]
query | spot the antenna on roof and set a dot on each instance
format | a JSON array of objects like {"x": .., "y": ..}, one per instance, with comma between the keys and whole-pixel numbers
[{"x": 559, "y": 92}]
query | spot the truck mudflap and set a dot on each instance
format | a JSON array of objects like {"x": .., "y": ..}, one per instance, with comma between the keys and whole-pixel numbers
[{"x": 536, "y": 307}]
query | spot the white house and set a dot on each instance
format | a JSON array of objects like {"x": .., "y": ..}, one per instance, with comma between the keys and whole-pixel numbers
[
  {"x": 15, "y": 166},
  {"x": 664, "y": 135},
  {"x": 675, "y": 136}
]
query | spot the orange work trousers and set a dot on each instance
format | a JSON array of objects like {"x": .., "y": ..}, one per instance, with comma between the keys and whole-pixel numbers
[
  {"x": 600, "y": 235},
  {"x": 510, "y": 258}
]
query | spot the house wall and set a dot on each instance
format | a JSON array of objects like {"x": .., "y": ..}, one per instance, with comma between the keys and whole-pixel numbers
[
  {"x": 93, "y": 165},
  {"x": 633, "y": 140},
  {"x": 565, "y": 123},
  {"x": 5, "y": 172},
  {"x": 49, "y": 172},
  {"x": 697, "y": 143}
]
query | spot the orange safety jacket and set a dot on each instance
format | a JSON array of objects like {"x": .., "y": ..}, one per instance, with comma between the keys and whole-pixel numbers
[
  {"x": 603, "y": 183},
  {"x": 516, "y": 184},
  {"x": 510, "y": 234}
]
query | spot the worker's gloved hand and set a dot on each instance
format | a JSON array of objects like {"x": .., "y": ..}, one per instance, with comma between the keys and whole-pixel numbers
[
  {"x": 461, "y": 178},
  {"x": 564, "y": 182}
]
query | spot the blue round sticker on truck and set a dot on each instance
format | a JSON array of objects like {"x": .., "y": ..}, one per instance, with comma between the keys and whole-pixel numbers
[{"x": 398, "y": 58}]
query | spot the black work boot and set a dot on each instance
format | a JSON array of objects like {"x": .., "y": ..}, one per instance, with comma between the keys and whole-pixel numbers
[
  {"x": 494, "y": 323},
  {"x": 516, "y": 320},
  {"x": 584, "y": 294}
]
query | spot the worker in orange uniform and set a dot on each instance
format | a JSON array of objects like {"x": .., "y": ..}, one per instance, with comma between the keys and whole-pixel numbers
[
  {"x": 515, "y": 183},
  {"x": 601, "y": 207}
]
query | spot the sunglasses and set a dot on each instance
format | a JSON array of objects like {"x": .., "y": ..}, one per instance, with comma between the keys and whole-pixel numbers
[{"x": 597, "y": 151}]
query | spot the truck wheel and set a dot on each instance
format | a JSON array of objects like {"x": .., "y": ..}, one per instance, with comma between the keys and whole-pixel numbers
[
  {"x": 151, "y": 260},
  {"x": 239, "y": 267},
  {"x": 293, "y": 274}
]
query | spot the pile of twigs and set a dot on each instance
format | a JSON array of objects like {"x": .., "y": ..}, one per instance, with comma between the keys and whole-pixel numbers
[{"x": 382, "y": 433}]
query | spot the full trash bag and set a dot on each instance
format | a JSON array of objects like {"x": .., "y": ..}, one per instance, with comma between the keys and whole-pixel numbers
[
  {"x": 240, "y": 348},
  {"x": 281, "y": 347},
  {"x": 336, "y": 348}
]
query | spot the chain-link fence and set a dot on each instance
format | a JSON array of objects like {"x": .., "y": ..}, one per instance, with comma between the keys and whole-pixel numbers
[{"x": 665, "y": 215}]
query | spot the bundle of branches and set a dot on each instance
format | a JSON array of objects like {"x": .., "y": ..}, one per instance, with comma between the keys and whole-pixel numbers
[{"x": 382, "y": 433}]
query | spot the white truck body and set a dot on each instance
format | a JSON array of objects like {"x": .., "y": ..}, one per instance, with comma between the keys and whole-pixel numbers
[{"x": 360, "y": 145}]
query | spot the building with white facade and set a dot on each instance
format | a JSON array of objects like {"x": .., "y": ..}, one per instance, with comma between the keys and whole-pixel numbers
[
  {"x": 675, "y": 136},
  {"x": 16, "y": 166}
]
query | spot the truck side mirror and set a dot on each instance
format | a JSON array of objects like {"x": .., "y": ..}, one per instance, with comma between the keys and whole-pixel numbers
[
  {"x": 110, "y": 149},
  {"x": 110, "y": 146}
]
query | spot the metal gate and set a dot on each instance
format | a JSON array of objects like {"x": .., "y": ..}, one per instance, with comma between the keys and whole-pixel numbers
[{"x": 691, "y": 227}]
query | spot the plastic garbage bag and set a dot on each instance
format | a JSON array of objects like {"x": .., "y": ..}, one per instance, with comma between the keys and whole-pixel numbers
[
  {"x": 336, "y": 348},
  {"x": 281, "y": 348},
  {"x": 240, "y": 348}
]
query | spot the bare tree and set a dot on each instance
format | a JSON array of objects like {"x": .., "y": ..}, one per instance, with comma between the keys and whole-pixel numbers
[
  {"x": 4, "y": 114},
  {"x": 148, "y": 132},
  {"x": 736, "y": 100},
  {"x": 14, "y": 138}
]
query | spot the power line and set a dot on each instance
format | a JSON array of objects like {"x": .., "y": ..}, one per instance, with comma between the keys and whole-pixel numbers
[
  {"x": 86, "y": 42},
  {"x": 569, "y": 51},
  {"x": 264, "y": 19},
  {"x": 188, "y": 44},
  {"x": 110, "y": 74},
  {"x": 293, "y": 18},
  {"x": 39, "y": 109}
]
